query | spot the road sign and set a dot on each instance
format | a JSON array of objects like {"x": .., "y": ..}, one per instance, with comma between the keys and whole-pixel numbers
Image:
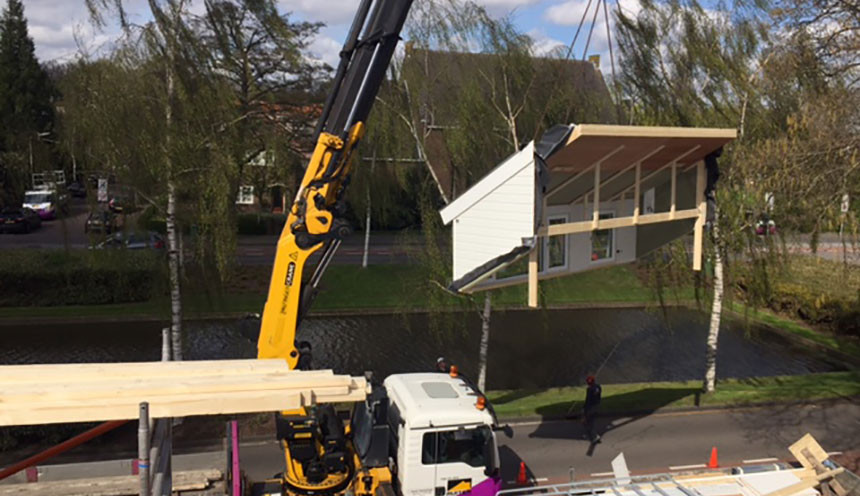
[
  {"x": 103, "y": 190},
  {"x": 846, "y": 202}
]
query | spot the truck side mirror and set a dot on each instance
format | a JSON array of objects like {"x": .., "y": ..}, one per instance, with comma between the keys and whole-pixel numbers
[{"x": 507, "y": 429}]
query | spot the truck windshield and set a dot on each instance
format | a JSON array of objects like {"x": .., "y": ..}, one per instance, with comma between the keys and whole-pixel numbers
[
  {"x": 37, "y": 198},
  {"x": 463, "y": 445}
]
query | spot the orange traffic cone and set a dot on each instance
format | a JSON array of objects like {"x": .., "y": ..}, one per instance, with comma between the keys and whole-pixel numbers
[
  {"x": 713, "y": 463},
  {"x": 522, "y": 478}
]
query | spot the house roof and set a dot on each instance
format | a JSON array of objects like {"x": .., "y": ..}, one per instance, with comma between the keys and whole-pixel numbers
[
  {"x": 436, "y": 78},
  {"x": 655, "y": 146}
]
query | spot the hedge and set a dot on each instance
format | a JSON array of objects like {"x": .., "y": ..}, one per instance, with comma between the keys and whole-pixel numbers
[{"x": 80, "y": 277}]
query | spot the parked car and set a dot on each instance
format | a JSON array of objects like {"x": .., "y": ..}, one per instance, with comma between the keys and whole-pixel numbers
[
  {"x": 100, "y": 221},
  {"x": 46, "y": 202},
  {"x": 133, "y": 241},
  {"x": 20, "y": 220},
  {"x": 77, "y": 190}
]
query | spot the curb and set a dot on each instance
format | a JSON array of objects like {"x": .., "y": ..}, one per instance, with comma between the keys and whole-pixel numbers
[{"x": 687, "y": 409}]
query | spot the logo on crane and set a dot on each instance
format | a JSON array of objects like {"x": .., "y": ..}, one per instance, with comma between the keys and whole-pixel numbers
[{"x": 291, "y": 270}]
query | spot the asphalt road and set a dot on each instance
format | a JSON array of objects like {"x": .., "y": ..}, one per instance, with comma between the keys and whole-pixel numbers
[
  {"x": 385, "y": 247},
  {"x": 652, "y": 443}
]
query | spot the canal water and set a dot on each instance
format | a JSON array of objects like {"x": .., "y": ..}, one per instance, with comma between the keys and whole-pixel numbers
[{"x": 527, "y": 348}]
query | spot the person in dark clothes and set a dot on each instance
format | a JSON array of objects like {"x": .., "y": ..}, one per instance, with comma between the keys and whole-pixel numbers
[
  {"x": 442, "y": 365},
  {"x": 592, "y": 404}
]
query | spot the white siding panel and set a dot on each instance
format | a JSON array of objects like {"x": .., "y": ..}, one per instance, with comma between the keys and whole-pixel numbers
[
  {"x": 497, "y": 222},
  {"x": 489, "y": 183}
]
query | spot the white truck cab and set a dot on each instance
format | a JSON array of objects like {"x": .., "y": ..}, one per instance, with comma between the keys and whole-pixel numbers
[{"x": 441, "y": 434}]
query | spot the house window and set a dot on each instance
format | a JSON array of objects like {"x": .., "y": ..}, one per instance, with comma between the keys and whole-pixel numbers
[
  {"x": 556, "y": 247},
  {"x": 246, "y": 195},
  {"x": 603, "y": 241}
]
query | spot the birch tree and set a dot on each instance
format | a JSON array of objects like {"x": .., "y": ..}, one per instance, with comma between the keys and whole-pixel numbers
[{"x": 167, "y": 148}]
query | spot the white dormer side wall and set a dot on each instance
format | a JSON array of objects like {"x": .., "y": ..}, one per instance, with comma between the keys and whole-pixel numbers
[{"x": 494, "y": 215}]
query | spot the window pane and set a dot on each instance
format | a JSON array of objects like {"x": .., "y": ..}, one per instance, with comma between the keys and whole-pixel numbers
[
  {"x": 602, "y": 241},
  {"x": 557, "y": 246},
  {"x": 428, "y": 449},
  {"x": 463, "y": 446}
]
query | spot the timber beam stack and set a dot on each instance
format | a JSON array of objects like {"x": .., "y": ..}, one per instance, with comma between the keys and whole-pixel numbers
[{"x": 92, "y": 392}]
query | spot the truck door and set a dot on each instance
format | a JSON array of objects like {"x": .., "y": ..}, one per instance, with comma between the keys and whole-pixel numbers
[{"x": 461, "y": 458}]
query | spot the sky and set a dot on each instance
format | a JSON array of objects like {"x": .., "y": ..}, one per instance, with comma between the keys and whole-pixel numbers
[{"x": 61, "y": 29}]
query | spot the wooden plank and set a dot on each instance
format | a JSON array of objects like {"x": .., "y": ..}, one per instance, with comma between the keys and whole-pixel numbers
[
  {"x": 806, "y": 483},
  {"x": 579, "y": 174},
  {"x": 699, "y": 228},
  {"x": 657, "y": 171},
  {"x": 122, "y": 485},
  {"x": 635, "y": 165},
  {"x": 145, "y": 386},
  {"x": 807, "y": 442},
  {"x": 619, "y": 131},
  {"x": 49, "y": 373},
  {"x": 636, "y": 199},
  {"x": 674, "y": 192},
  {"x": 170, "y": 397},
  {"x": 100, "y": 392},
  {"x": 588, "y": 142},
  {"x": 617, "y": 222},
  {"x": 533, "y": 276}
]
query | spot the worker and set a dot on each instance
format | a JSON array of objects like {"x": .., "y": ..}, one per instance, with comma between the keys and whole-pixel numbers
[
  {"x": 442, "y": 365},
  {"x": 592, "y": 403}
]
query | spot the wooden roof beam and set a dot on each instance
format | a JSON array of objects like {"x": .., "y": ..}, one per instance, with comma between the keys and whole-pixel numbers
[
  {"x": 570, "y": 180},
  {"x": 619, "y": 174}
]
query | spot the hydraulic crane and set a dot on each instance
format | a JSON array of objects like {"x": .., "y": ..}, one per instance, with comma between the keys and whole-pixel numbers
[
  {"x": 315, "y": 220},
  {"x": 416, "y": 434}
]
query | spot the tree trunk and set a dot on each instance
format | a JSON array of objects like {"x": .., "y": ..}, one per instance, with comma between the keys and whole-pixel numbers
[
  {"x": 485, "y": 342},
  {"x": 716, "y": 311},
  {"x": 173, "y": 270},
  {"x": 367, "y": 217},
  {"x": 173, "y": 248}
]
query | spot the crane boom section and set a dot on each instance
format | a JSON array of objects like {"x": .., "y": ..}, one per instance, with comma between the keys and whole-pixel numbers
[{"x": 314, "y": 222}]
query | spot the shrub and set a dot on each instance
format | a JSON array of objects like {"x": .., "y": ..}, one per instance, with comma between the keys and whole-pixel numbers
[{"x": 44, "y": 277}]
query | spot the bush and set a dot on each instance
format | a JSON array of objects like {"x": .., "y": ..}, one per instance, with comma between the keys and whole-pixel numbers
[
  {"x": 151, "y": 220},
  {"x": 261, "y": 223},
  {"x": 78, "y": 278}
]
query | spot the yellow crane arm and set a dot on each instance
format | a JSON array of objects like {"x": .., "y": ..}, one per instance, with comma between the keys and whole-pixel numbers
[{"x": 310, "y": 225}]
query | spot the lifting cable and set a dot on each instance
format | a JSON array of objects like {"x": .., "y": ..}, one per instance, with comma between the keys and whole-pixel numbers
[
  {"x": 585, "y": 50},
  {"x": 591, "y": 30}
]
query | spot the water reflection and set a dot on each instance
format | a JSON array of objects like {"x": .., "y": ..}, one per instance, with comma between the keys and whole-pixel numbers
[{"x": 527, "y": 348}]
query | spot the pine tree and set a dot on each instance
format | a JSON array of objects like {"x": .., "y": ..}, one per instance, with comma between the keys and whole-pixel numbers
[{"x": 25, "y": 91}]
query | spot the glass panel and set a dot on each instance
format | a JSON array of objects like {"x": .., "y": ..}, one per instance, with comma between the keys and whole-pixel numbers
[
  {"x": 463, "y": 446},
  {"x": 602, "y": 241},
  {"x": 557, "y": 246}
]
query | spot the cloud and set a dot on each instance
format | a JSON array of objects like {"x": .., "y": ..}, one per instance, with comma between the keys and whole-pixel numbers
[
  {"x": 504, "y": 7},
  {"x": 325, "y": 49},
  {"x": 544, "y": 44},
  {"x": 570, "y": 13},
  {"x": 59, "y": 26},
  {"x": 330, "y": 12}
]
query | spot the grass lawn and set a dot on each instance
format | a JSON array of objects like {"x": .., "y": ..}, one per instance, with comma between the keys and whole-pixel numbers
[
  {"x": 378, "y": 287},
  {"x": 649, "y": 397}
]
